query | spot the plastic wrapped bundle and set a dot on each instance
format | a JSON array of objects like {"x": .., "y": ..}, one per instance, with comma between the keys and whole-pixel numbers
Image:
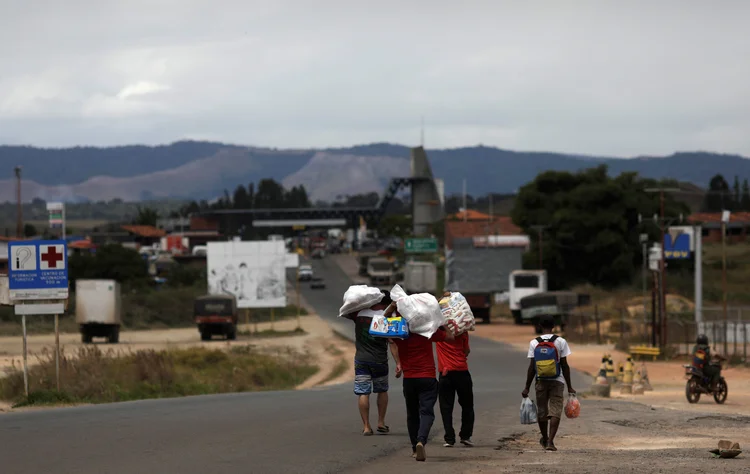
[
  {"x": 359, "y": 297},
  {"x": 394, "y": 327},
  {"x": 572, "y": 406},
  {"x": 457, "y": 313},
  {"x": 421, "y": 311}
]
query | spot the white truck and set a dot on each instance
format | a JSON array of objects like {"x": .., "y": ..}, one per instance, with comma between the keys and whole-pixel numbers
[
  {"x": 98, "y": 309},
  {"x": 420, "y": 277},
  {"x": 524, "y": 283}
]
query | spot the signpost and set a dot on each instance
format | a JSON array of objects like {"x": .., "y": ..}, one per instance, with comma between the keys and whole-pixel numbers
[
  {"x": 425, "y": 245},
  {"x": 38, "y": 284}
]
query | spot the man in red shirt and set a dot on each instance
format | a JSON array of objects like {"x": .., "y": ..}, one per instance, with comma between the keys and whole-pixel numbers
[
  {"x": 456, "y": 379},
  {"x": 420, "y": 386}
]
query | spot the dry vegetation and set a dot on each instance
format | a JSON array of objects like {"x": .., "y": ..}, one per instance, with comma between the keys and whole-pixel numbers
[{"x": 94, "y": 376}]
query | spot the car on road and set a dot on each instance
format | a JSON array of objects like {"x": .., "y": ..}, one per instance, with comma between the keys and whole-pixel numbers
[
  {"x": 305, "y": 273},
  {"x": 317, "y": 284},
  {"x": 216, "y": 314},
  {"x": 318, "y": 253}
]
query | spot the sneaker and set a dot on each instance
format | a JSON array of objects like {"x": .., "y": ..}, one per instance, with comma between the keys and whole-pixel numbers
[
  {"x": 421, "y": 455},
  {"x": 467, "y": 442},
  {"x": 448, "y": 445}
]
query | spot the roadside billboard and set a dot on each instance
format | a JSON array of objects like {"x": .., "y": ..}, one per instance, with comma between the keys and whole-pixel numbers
[{"x": 254, "y": 272}]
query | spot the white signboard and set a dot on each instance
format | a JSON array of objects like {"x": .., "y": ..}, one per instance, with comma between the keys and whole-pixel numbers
[{"x": 254, "y": 272}]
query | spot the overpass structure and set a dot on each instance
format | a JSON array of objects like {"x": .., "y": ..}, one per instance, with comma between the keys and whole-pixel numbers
[{"x": 426, "y": 199}]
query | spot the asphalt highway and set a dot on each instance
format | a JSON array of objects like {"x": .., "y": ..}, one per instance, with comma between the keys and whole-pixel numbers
[{"x": 312, "y": 431}]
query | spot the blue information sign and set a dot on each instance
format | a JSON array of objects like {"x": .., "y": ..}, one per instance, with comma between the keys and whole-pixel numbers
[{"x": 38, "y": 270}]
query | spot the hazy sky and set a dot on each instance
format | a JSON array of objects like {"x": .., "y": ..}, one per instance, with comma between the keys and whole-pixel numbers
[{"x": 592, "y": 77}]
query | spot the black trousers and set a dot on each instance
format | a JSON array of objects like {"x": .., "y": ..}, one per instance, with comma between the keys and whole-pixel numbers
[
  {"x": 420, "y": 396},
  {"x": 451, "y": 384}
]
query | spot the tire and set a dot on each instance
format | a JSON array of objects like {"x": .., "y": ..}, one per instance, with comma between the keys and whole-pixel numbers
[
  {"x": 517, "y": 319},
  {"x": 691, "y": 391},
  {"x": 205, "y": 336},
  {"x": 86, "y": 337},
  {"x": 232, "y": 334},
  {"x": 721, "y": 395},
  {"x": 114, "y": 336}
]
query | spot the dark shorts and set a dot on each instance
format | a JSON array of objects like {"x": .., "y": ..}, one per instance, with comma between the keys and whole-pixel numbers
[
  {"x": 370, "y": 377},
  {"x": 549, "y": 399}
]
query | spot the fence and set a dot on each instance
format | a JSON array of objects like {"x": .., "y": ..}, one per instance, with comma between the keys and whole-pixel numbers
[{"x": 730, "y": 337}]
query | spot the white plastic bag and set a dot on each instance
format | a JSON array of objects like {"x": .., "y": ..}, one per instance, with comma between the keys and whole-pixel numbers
[
  {"x": 457, "y": 313},
  {"x": 528, "y": 412},
  {"x": 359, "y": 297},
  {"x": 421, "y": 311}
]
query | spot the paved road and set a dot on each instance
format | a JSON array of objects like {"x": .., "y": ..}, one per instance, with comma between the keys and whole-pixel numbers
[{"x": 314, "y": 431}]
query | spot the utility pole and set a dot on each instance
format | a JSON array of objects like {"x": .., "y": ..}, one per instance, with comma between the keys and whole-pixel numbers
[
  {"x": 19, "y": 215},
  {"x": 539, "y": 229},
  {"x": 490, "y": 207},
  {"x": 662, "y": 276},
  {"x": 725, "y": 216}
]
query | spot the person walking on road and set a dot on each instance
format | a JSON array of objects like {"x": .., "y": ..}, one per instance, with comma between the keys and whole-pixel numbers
[
  {"x": 420, "y": 386},
  {"x": 455, "y": 379},
  {"x": 371, "y": 366},
  {"x": 548, "y": 362}
]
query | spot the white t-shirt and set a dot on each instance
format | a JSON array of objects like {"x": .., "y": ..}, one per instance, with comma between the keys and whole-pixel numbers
[{"x": 563, "y": 350}]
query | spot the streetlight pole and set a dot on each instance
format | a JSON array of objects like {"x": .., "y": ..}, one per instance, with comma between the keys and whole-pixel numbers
[{"x": 725, "y": 216}]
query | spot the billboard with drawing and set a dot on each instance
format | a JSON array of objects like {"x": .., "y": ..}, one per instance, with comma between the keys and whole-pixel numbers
[{"x": 254, "y": 272}]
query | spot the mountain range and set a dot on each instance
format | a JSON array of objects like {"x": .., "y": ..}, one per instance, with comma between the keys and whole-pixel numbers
[{"x": 203, "y": 170}]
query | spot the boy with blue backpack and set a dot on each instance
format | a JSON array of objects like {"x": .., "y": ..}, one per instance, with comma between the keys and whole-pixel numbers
[{"x": 548, "y": 363}]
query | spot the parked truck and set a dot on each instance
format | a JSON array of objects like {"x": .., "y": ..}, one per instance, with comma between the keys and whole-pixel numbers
[
  {"x": 524, "y": 283},
  {"x": 420, "y": 277},
  {"x": 98, "y": 309},
  {"x": 216, "y": 314}
]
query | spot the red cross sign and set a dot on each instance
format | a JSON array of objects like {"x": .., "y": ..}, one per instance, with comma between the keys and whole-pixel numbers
[{"x": 52, "y": 257}]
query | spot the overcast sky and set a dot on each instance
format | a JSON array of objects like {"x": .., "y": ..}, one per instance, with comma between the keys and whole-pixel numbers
[{"x": 593, "y": 77}]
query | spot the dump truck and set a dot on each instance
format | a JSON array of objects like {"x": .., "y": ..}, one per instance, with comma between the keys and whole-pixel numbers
[
  {"x": 420, "y": 277},
  {"x": 381, "y": 273},
  {"x": 98, "y": 309}
]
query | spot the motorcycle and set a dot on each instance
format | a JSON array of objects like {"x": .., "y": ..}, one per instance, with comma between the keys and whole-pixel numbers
[{"x": 698, "y": 384}]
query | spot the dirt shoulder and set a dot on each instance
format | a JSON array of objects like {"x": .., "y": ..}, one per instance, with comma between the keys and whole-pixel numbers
[
  {"x": 609, "y": 437},
  {"x": 666, "y": 378}
]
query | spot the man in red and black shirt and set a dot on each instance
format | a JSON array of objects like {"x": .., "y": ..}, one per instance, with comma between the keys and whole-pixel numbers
[
  {"x": 420, "y": 386},
  {"x": 456, "y": 379}
]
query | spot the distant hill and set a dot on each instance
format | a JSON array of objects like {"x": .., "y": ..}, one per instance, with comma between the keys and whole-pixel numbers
[{"x": 196, "y": 170}]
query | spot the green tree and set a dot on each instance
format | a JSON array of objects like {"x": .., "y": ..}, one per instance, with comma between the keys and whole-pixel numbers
[
  {"x": 240, "y": 199},
  {"x": 270, "y": 195},
  {"x": 29, "y": 230},
  {"x": 113, "y": 262},
  {"x": 745, "y": 199},
  {"x": 146, "y": 216},
  {"x": 736, "y": 194},
  {"x": 593, "y": 225},
  {"x": 718, "y": 196}
]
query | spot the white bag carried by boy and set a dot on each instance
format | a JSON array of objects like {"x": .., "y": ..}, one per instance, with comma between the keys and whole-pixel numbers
[
  {"x": 528, "y": 412},
  {"x": 359, "y": 297},
  {"x": 421, "y": 311},
  {"x": 457, "y": 313}
]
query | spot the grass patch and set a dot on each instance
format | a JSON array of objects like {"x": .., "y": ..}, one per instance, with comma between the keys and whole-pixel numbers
[
  {"x": 94, "y": 376},
  {"x": 145, "y": 308},
  {"x": 271, "y": 333},
  {"x": 341, "y": 367}
]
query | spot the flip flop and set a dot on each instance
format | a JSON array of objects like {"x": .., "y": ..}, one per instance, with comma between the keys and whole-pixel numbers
[
  {"x": 384, "y": 429},
  {"x": 367, "y": 433}
]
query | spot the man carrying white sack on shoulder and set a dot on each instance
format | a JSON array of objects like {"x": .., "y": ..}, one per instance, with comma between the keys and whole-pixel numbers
[{"x": 371, "y": 365}]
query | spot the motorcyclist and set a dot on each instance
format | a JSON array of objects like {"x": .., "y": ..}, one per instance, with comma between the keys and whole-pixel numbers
[{"x": 702, "y": 360}]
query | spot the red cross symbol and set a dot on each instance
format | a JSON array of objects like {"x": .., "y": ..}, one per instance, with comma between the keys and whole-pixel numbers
[{"x": 52, "y": 257}]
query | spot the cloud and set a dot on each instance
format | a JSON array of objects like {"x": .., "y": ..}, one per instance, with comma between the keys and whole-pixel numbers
[
  {"x": 589, "y": 77},
  {"x": 141, "y": 88}
]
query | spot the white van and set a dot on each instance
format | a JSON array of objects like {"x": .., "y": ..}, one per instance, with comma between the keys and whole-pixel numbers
[{"x": 524, "y": 283}]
